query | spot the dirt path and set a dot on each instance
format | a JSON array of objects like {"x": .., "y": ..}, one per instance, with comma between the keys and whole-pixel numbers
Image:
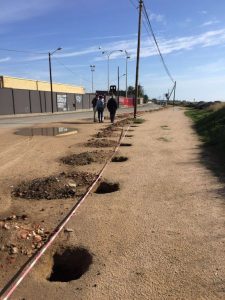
[{"x": 161, "y": 236}]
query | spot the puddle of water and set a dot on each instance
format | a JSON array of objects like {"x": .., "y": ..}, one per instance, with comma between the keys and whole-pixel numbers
[{"x": 50, "y": 131}]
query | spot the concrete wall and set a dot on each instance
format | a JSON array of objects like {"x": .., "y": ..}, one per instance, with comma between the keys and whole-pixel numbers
[
  {"x": 35, "y": 102},
  {"x": 6, "y": 102},
  {"x": 21, "y": 101},
  {"x": 17, "y": 101}
]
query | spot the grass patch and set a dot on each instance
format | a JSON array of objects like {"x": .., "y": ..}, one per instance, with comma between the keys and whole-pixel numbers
[
  {"x": 164, "y": 139},
  {"x": 165, "y": 127},
  {"x": 210, "y": 125},
  {"x": 138, "y": 121}
]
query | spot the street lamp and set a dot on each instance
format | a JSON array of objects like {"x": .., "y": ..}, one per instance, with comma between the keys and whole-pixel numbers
[
  {"x": 127, "y": 57},
  {"x": 50, "y": 73},
  {"x": 118, "y": 88},
  {"x": 92, "y": 70},
  {"x": 108, "y": 53}
]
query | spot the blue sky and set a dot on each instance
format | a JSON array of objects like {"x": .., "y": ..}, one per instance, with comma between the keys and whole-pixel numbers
[{"x": 191, "y": 36}]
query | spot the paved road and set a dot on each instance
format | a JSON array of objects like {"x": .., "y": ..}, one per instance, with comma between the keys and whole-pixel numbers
[{"x": 15, "y": 121}]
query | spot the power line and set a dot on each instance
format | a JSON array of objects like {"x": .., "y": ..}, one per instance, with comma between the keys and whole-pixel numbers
[
  {"x": 71, "y": 71},
  {"x": 157, "y": 45},
  {"x": 20, "y": 51},
  {"x": 134, "y": 5}
]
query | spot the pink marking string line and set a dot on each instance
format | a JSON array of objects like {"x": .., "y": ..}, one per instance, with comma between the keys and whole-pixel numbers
[{"x": 22, "y": 273}]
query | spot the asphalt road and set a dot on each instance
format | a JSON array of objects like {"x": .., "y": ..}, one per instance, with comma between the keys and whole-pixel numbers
[{"x": 22, "y": 121}]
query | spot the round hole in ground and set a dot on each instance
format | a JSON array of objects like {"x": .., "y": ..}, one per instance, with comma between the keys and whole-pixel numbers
[
  {"x": 119, "y": 159},
  {"x": 106, "y": 187},
  {"x": 125, "y": 144},
  {"x": 70, "y": 264}
]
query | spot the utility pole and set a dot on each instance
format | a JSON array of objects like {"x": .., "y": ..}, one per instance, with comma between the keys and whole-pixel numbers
[
  {"x": 50, "y": 75},
  {"x": 118, "y": 88},
  {"x": 138, "y": 57},
  {"x": 92, "y": 80},
  {"x": 174, "y": 94}
]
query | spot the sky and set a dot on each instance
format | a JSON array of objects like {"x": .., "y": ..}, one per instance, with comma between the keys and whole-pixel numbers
[{"x": 190, "y": 35}]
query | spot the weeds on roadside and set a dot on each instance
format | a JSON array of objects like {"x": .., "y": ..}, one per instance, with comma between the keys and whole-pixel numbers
[
  {"x": 138, "y": 121},
  {"x": 210, "y": 125}
]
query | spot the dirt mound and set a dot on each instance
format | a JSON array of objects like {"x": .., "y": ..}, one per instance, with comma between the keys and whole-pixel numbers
[
  {"x": 108, "y": 132},
  {"x": 86, "y": 158},
  {"x": 55, "y": 187},
  {"x": 101, "y": 143},
  {"x": 123, "y": 122},
  {"x": 19, "y": 236}
]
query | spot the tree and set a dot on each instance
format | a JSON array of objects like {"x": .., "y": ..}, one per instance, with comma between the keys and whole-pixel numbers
[
  {"x": 141, "y": 91},
  {"x": 131, "y": 90}
]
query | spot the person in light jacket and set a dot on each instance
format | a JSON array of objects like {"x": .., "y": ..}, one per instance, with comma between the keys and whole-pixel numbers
[{"x": 100, "y": 108}]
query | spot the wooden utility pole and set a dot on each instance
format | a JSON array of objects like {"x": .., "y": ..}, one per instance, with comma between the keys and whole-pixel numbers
[
  {"x": 138, "y": 58},
  {"x": 118, "y": 88},
  {"x": 174, "y": 92}
]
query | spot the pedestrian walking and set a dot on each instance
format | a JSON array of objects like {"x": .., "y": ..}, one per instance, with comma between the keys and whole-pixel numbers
[
  {"x": 112, "y": 107},
  {"x": 100, "y": 108},
  {"x": 94, "y": 103}
]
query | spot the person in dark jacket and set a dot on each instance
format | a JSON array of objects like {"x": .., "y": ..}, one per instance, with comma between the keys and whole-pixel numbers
[
  {"x": 112, "y": 107},
  {"x": 94, "y": 103}
]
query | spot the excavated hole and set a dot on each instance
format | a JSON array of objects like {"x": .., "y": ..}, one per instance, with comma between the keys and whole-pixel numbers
[
  {"x": 129, "y": 135},
  {"x": 125, "y": 144},
  {"x": 119, "y": 159},
  {"x": 107, "y": 187},
  {"x": 133, "y": 126},
  {"x": 70, "y": 264}
]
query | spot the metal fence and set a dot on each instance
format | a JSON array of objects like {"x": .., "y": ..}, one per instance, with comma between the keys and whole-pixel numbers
[{"x": 17, "y": 101}]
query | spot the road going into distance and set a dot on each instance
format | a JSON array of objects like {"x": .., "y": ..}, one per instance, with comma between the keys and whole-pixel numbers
[
  {"x": 14, "y": 121},
  {"x": 159, "y": 236}
]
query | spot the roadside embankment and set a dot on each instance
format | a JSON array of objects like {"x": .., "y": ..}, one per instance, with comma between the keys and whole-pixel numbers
[{"x": 210, "y": 125}]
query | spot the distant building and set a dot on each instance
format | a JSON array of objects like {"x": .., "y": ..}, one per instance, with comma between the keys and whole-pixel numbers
[
  {"x": 22, "y": 96},
  {"x": 36, "y": 85}
]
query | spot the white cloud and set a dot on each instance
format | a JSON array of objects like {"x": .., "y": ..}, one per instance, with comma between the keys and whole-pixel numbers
[
  {"x": 207, "y": 39},
  {"x": 203, "y": 12},
  {"x": 212, "y": 22},
  {"x": 5, "y": 59},
  {"x": 14, "y": 10},
  {"x": 157, "y": 17}
]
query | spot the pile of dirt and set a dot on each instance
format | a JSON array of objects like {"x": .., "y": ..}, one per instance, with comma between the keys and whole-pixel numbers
[
  {"x": 123, "y": 122},
  {"x": 107, "y": 132},
  {"x": 100, "y": 143},
  {"x": 19, "y": 237},
  {"x": 65, "y": 185},
  {"x": 86, "y": 158}
]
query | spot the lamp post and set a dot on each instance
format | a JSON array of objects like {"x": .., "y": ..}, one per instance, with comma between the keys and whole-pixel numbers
[
  {"x": 118, "y": 88},
  {"x": 50, "y": 73},
  {"x": 127, "y": 57},
  {"x": 108, "y": 53},
  {"x": 92, "y": 72}
]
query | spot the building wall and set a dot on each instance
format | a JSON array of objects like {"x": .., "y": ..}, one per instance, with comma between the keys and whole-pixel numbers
[
  {"x": 35, "y": 85},
  {"x": 18, "y": 101},
  {"x": 6, "y": 102}
]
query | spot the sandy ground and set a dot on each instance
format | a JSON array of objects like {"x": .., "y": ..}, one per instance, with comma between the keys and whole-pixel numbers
[{"x": 161, "y": 236}]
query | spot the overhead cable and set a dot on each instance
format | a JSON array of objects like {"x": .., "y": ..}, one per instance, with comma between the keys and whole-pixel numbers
[
  {"x": 20, "y": 51},
  {"x": 71, "y": 71},
  {"x": 157, "y": 45},
  {"x": 134, "y": 5}
]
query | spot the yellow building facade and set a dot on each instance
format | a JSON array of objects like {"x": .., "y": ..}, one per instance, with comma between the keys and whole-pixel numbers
[{"x": 36, "y": 85}]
